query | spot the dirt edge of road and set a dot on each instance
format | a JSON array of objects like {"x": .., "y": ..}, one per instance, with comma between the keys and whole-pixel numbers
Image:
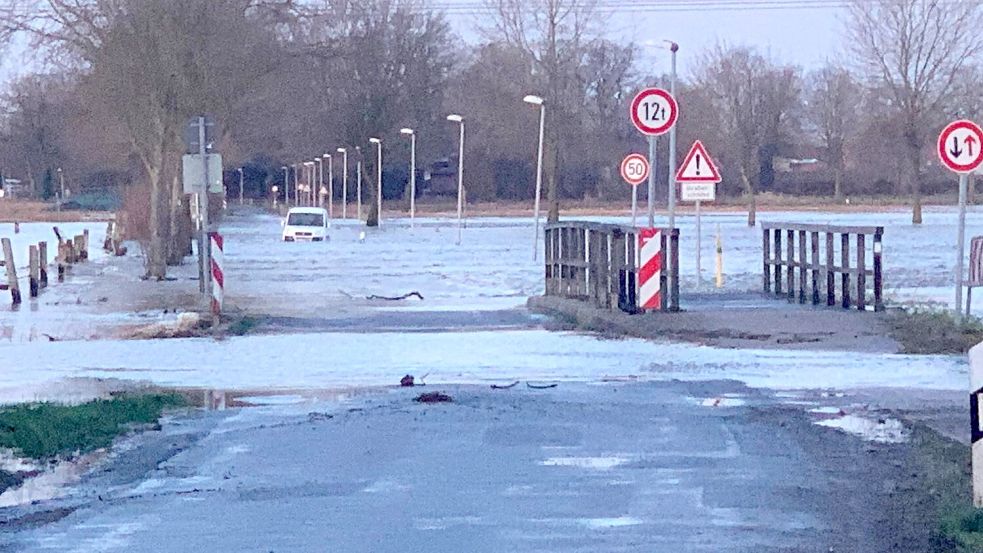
[{"x": 783, "y": 327}]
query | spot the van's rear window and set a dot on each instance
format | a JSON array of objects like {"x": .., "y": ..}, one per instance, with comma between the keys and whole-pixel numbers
[{"x": 305, "y": 220}]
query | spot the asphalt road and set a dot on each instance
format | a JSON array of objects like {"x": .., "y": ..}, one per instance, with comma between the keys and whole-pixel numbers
[{"x": 603, "y": 467}]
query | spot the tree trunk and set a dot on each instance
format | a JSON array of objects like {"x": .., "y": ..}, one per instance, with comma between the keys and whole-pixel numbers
[
  {"x": 838, "y": 184},
  {"x": 156, "y": 254},
  {"x": 752, "y": 204},
  {"x": 175, "y": 249},
  {"x": 915, "y": 186}
]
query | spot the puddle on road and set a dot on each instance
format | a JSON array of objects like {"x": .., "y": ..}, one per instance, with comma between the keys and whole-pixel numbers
[{"x": 53, "y": 483}]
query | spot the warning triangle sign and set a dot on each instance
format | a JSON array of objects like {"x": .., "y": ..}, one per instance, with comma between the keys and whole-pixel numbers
[{"x": 697, "y": 166}]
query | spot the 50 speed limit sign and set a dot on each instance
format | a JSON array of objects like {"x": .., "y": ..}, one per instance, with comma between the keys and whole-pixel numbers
[
  {"x": 635, "y": 169},
  {"x": 654, "y": 111}
]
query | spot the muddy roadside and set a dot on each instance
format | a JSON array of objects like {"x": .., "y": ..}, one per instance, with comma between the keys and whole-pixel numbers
[{"x": 751, "y": 323}]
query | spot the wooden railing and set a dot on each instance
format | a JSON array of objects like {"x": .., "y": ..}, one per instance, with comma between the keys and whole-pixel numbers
[
  {"x": 805, "y": 269},
  {"x": 598, "y": 263}
]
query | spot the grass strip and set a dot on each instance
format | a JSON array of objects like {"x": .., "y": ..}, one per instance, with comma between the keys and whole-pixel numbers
[{"x": 46, "y": 430}]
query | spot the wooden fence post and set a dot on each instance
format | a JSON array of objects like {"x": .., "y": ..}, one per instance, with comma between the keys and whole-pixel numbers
[
  {"x": 33, "y": 271},
  {"x": 43, "y": 254},
  {"x": 830, "y": 272},
  {"x": 765, "y": 252},
  {"x": 85, "y": 245},
  {"x": 8, "y": 257},
  {"x": 845, "y": 254},
  {"x": 861, "y": 273},
  {"x": 815, "y": 268},
  {"x": 803, "y": 266},
  {"x": 790, "y": 260},
  {"x": 778, "y": 260},
  {"x": 878, "y": 277}
]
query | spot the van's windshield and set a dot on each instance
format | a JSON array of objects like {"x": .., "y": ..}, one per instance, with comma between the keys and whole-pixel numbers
[{"x": 305, "y": 220}]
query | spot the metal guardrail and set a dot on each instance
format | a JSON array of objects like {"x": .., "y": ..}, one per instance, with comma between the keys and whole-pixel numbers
[
  {"x": 814, "y": 262},
  {"x": 598, "y": 263}
]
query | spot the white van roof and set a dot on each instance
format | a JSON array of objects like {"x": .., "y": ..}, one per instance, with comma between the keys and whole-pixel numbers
[{"x": 320, "y": 210}]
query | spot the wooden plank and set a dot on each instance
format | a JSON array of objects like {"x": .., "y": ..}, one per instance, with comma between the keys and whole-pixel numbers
[
  {"x": 43, "y": 254},
  {"x": 861, "y": 273},
  {"x": 8, "y": 261},
  {"x": 33, "y": 271},
  {"x": 789, "y": 267},
  {"x": 845, "y": 254},
  {"x": 778, "y": 258},
  {"x": 815, "y": 267},
  {"x": 766, "y": 262},
  {"x": 803, "y": 266},
  {"x": 836, "y": 229},
  {"x": 878, "y": 277},
  {"x": 830, "y": 276}
]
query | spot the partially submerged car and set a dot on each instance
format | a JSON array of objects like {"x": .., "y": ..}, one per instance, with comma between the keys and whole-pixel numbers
[{"x": 306, "y": 223}]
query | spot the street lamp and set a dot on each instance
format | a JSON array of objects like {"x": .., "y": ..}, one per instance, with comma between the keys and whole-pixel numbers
[
  {"x": 344, "y": 179},
  {"x": 330, "y": 187},
  {"x": 378, "y": 176},
  {"x": 320, "y": 177},
  {"x": 538, "y": 101},
  {"x": 296, "y": 184},
  {"x": 460, "y": 175},
  {"x": 674, "y": 48},
  {"x": 241, "y": 178},
  {"x": 275, "y": 191},
  {"x": 61, "y": 195},
  {"x": 310, "y": 179},
  {"x": 358, "y": 187},
  {"x": 344, "y": 204},
  {"x": 286, "y": 183},
  {"x": 412, "y": 136}
]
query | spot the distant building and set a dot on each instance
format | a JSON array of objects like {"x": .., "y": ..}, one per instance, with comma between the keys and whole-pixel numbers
[
  {"x": 442, "y": 179},
  {"x": 13, "y": 188},
  {"x": 808, "y": 165}
]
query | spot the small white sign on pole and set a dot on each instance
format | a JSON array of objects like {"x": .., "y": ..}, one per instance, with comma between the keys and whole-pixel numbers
[
  {"x": 194, "y": 180},
  {"x": 697, "y": 191}
]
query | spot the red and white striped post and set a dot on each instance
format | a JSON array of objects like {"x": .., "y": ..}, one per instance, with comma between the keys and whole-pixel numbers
[
  {"x": 650, "y": 269},
  {"x": 218, "y": 272}
]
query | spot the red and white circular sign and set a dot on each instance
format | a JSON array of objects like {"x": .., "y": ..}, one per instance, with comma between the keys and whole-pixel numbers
[
  {"x": 654, "y": 111},
  {"x": 635, "y": 169},
  {"x": 961, "y": 146}
]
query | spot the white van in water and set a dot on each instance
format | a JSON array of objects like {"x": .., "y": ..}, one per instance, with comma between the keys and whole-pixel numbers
[{"x": 305, "y": 223}]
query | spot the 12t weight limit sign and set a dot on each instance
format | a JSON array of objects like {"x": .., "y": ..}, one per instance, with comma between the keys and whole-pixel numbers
[{"x": 654, "y": 111}]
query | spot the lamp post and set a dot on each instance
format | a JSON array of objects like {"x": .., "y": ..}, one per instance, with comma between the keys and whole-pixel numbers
[
  {"x": 460, "y": 175},
  {"x": 358, "y": 186},
  {"x": 344, "y": 193},
  {"x": 538, "y": 101},
  {"x": 378, "y": 177},
  {"x": 674, "y": 48},
  {"x": 320, "y": 178},
  {"x": 286, "y": 183},
  {"x": 310, "y": 179},
  {"x": 241, "y": 178},
  {"x": 296, "y": 184},
  {"x": 344, "y": 178},
  {"x": 61, "y": 194},
  {"x": 412, "y": 136},
  {"x": 330, "y": 187}
]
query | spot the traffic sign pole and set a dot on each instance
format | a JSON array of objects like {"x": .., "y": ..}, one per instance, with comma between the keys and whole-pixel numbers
[
  {"x": 959, "y": 149},
  {"x": 653, "y": 141},
  {"x": 699, "y": 247},
  {"x": 961, "y": 238},
  {"x": 634, "y": 204}
]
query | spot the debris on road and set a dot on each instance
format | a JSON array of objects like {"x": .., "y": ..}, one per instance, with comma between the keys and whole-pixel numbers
[
  {"x": 505, "y": 387},
  {"x": 541, "y": 386},
  {"x": 433, "y": 397},
  {"x": 395, "y": 298},
  {"x": 406, "y": 381}
]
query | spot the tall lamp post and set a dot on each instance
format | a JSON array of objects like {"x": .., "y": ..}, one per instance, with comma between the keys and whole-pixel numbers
[
  {"x": 241, "y": 179},
  {"x": 61, "y": 186},
  {"x": 409, "y": 132},
  {"x": 310, "y": 181},
  {"x": 378, "y": 177},
  {"x": 538, "y": 101},
  {"x": 358, "y": 185},
  {"x": 344, "y": 178},
  {"x": 674, "y": 48},
  {"x": 286, "y": 184},
  {"x": 460, "y": 175},
  {"x": 296, "y": 185},
  {"x": 320, "y": 178},
  {"x": 344, "y": 203}
]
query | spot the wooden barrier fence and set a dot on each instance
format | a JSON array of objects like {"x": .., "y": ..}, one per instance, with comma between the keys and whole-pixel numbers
[
  {"x": 598, "y": 263},
  {"x": 805, "y": 269},
  {"x": 69, "y": 252}
]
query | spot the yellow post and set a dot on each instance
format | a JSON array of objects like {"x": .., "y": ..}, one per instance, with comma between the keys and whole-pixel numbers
[{"x": 720, "y": 260}]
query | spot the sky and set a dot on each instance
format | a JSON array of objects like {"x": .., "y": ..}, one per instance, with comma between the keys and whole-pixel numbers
[{"x": 802, "y": 32}]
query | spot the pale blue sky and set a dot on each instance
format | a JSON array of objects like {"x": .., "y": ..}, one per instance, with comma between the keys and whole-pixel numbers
[{"x": 802, "y": 36}]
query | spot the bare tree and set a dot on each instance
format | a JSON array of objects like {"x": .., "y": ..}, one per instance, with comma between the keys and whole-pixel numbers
[
  {"x": 833, "y": 101},
  {"x": 754, "y": 99},
  {"x": 915, "y": 49},
  {"x": 553, "y": 34}
]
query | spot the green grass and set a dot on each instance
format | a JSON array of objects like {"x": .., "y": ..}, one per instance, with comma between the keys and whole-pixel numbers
[
  {"x": 46, "y": 430},
  {"x": 243, "y": 326},
  {"x": 961, "y": 530},
  {"x": 934, "y": 330}
]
